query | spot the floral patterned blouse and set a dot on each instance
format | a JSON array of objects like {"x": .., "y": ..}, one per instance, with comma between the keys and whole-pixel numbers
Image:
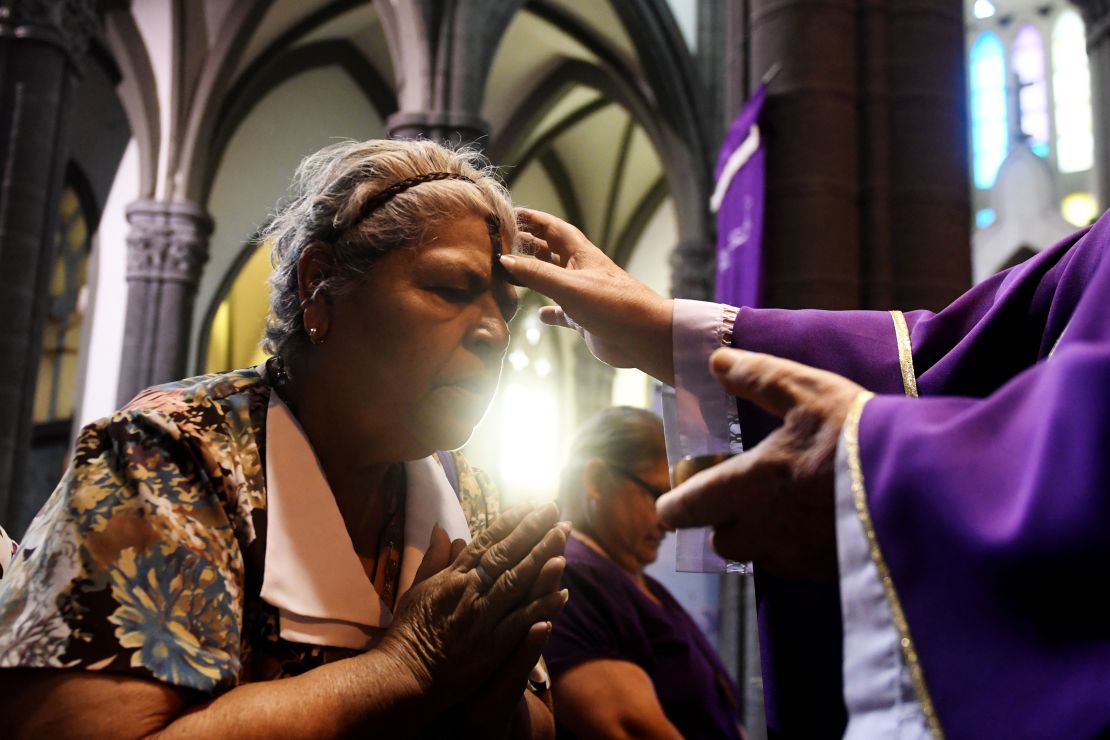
[{"x": 148, "y": 557}]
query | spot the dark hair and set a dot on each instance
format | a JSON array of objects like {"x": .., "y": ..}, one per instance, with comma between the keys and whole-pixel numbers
[{"x": 624, "y": 437}]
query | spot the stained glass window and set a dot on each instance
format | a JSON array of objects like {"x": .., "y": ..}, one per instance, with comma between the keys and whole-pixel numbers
[
  {"x": 62, "y": 335},
  {"x": 1071, "y": 83},
  {"x": 1028, "y": 62},
  {"x": 988, "y": 108}
]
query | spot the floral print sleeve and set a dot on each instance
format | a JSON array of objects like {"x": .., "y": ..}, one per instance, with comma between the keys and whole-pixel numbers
[
  {"x": 132, "y": 565},
  {"x": 477, "y": 494}
]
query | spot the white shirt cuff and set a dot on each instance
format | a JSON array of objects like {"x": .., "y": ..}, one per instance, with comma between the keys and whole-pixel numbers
[
  {"x": 703, "y": 419},
  {"x": 699, "y": 417}
]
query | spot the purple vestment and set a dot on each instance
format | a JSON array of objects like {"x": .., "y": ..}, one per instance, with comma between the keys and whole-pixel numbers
[{"x": 989, "y": 498}]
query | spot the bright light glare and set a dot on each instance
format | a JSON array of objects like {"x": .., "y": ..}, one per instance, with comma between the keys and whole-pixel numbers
[
  {"x": 983, "y": 9},
  {"x": 518, "y": 360},
  {"x": 630, "y": 388},
  {"x": 1080, "y": 209},
  {"x": 532, "y": 329},
  {"x": 529, "y": 444},
  {"x": 543, "y": 367}
]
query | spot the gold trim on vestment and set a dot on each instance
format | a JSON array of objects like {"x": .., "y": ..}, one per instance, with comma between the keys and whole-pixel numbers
[
  {"x": 905, "y": 353},
  {"x": 859, "y": 495}
]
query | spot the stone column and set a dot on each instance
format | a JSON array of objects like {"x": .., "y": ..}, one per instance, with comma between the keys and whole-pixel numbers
[
  {"x": 442, "y": 54},
  {"x": 1096, "y": 16},
  {"x": 166, "y": 251},
  {"x": 445, "y": 126},
  {"x": 693, "y": 270},
  {"x": 930, "y": 211},
  {"x": 811, "y": 126},
  {"x": 876, "y": 238},
  {"x": 593, "y": 384},
  {"x": 42, "y": 48}
]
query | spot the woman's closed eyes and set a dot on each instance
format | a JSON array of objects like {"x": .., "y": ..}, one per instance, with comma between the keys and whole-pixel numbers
[
  {"x": 454, "y": 294},
  {"x": 507, "y": 301}
]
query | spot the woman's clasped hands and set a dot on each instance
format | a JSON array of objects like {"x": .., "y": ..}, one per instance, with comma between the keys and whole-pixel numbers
[{"x": 474, "y": 624}]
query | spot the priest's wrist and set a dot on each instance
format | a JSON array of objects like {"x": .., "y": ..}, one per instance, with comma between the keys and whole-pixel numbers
[{"x": 651, "y": 347}]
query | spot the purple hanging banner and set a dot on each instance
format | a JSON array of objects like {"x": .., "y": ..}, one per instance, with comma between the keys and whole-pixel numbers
[{"x": 738, "y": 202}]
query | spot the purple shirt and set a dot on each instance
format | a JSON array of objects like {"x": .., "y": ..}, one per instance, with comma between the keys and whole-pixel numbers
[{"x": 609, "y": 618}]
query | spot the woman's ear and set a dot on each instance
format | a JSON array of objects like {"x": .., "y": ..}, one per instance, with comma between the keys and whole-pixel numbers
[
  {"x": 313, "y": 269},
  {"x": 595, "y": 478}
]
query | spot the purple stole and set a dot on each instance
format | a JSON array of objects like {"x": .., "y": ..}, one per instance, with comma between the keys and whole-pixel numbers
[{"x": 738, "y": 201}]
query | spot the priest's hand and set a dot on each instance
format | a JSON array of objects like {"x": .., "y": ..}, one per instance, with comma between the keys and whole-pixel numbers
[
  {"x": 773, "y": 504},
  {"x": 624, "y": 322}
]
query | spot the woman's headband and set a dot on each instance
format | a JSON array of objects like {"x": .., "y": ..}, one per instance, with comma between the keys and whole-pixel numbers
[
  {"x": 377, "y": 201},
  {"x": 492, "y": 221}
]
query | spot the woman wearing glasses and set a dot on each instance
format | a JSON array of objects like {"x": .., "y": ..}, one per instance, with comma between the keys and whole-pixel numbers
[{"x": 626, "y": 660}]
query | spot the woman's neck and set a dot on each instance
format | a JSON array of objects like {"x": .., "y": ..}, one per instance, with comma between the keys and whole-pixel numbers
[
  {"x": 347, "y": 460},
  {"x": 636, "y": 574}
]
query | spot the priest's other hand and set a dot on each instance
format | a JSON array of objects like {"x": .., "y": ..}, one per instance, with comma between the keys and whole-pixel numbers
[
  {"x": 624, "y": 322},
  {"x": 773, "y": 504}
]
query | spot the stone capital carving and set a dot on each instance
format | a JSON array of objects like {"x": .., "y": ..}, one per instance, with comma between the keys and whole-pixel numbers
[
  {"x": 448, "y": 127},
  {"x": 168, "y": 242},
  {"x": 69, "y": 24}
]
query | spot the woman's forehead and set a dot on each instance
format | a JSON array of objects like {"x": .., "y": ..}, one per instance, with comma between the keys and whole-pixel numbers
[{"x": 469, "y": 232}]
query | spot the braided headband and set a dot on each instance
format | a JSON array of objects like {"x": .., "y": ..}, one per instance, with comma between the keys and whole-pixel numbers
[
  {"x": 492, "y": 222},
  {"x": 377, "y": 201}
]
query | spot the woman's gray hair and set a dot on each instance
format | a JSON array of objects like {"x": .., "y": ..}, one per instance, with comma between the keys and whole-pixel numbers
[
  {"x": 328, "y": 193},
  {"x": 624, "y": 437}
]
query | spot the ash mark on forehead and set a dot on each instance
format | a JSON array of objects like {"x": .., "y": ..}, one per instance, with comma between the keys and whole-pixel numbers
[{"x": 503, "y": 283}]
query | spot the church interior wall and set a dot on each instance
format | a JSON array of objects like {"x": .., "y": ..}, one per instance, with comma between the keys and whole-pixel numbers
[
  {"x": 649, "y": 260},
  {"x": 305, "y": 113},
  {"x": 108, "y": 294}
]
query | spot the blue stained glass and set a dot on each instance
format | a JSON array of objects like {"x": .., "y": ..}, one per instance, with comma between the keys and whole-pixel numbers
[{"x": 989, "y": 134}]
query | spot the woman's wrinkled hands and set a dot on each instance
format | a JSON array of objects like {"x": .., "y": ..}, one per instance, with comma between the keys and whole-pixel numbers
[
  {"x": 624, "y": 322},
  {"x": 488, "y": 612},
  {"x": 773, "y": 504}
]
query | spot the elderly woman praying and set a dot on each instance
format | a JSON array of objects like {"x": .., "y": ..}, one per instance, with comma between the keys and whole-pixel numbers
[{"x": 294, "y": 521}]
